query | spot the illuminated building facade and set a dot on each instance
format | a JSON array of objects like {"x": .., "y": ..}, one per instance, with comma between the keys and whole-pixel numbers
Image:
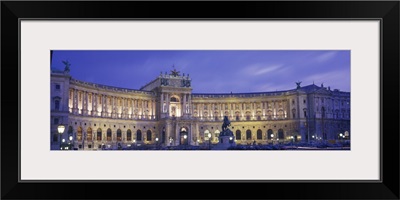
[{"x": 165, "y": 110}]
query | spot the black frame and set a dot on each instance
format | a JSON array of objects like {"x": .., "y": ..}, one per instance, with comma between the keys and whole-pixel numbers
[{"x": 386, "y": 11}]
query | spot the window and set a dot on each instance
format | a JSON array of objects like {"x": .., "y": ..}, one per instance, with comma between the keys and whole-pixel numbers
[
  {"x": 119, "y": 135},
  {"x": 248, "y": 134},
  {"x": 99, "y": 134},
  {"x": 280, "y": 134},
  {"x": 89, "y": 134},
  {"x": 305, "y": 113},
  {"x": 79, "y": 134},
  {"x": 56, "y": 104},
  {"x": 293, "y": 102},
  {"x": 57, "y": 86},
  {"x": 129, "y": 135},
  {"x": 148, "y": 134},
  {"x": 56, "y": 121},
  {"x": 237, "y": 118},
  {"x": 259, "y": 134},
  {"x": 55, "y": 137},
  {"x": 238, "y": 135},
  {"x": 304, "y": 101},
  {"x": 139, "y": 135},
  {"x": 108, "y": 134}
]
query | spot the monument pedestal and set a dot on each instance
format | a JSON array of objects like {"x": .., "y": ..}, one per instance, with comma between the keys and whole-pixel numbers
[{"x": 226, "y": 140}]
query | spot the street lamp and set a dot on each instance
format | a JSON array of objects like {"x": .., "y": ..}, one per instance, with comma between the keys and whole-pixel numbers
[
  {"x": 209, "y": 141},
  {"x": 157, "y": 142},
  {"x": 70, "y": 142},
  {"x": 134, "y": 142},
  {"x": 61, "y": 129},
  {"x": 230, "y": 140},
  {"x": 340, "y": 136},
  {"x": 272, "y": 138},
  {"x": 291, "y": 137},
  {"x": 184, "y": 141}
]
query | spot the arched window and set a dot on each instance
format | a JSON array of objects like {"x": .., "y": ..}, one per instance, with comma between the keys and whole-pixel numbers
[
  {"x": 108, "y": 134},
  {"x": 119, "y": 135},
  {"x": 269, "y": 134},
  {"x": 216, "y": 116},
  {"x": 89, "y": 134},
  {"x": 238, "y": 135},
  {"x": 294, "y": 113},
  {"x": 280, "y": 114},
  {"x": 99, "y": 134},
  {"x": 57, "y": 104},
  {"x": 248, "y": 116},
  {"x": 129, "y": 135},
  {"x": 148, "y": 134},
  {"x": 323, "y": 111},
  {"x": 259, "y": 134},
  {"x": 79, "y": 134},
  {"x": 174, "y": 99},
  {"x": 280, "y": 134},
  {"x": 269, "y": 114},
  {"x": 248, "y": 135},
  {"x": 139, "y": 135},
  {"x": 305, "y": 112},
  {"x": 237, "y": 114}
]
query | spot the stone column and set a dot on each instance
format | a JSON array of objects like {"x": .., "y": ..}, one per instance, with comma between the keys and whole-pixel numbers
[
  {"x": 94, "y": 105},
  {"x": 153, "y": 109},
  {"x": 122, "y": 108},
  {"x": 132, "y": 102},
  {"x": 167, "y": 109},
  {"x": 177, "y": 136},
  {"x": 75, "y": 102},
  {"x": 161, "y": 103},
  {"x": 85, "y": 103},
  {"x": 113, "y": 107},
  {"x": 168, "y": 132},
  {"x": 143, "y": 114},
  {"x": 183, "y": 111},
  {"x": 106, "y": 106},
  {"x": 190, "y": 104}
]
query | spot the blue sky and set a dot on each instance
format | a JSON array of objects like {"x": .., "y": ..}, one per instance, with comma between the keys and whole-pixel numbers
[{"x": 212, "y": 71}]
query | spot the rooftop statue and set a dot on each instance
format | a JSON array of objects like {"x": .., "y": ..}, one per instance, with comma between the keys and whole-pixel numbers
[
  {"x": 174, "y": 72},
  {"x": 67, "y": 64},
  {"x": 298, "y": 84}
]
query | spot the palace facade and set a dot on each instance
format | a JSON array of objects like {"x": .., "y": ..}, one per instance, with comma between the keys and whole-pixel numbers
[{"x": 165, "y": 110}]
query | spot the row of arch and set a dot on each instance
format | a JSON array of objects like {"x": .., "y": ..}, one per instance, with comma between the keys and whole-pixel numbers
[
  {"x": 238, "y": 134},
  {"x": 99, "y": 134}
]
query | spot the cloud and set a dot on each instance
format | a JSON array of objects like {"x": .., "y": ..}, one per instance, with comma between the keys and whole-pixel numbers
[
  {"x": 260, "y": 69},
  {"x": 326, "y": 56}
]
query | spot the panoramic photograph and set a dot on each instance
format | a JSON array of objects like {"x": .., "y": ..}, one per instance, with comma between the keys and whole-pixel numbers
[{"x": 199, "y": 100}]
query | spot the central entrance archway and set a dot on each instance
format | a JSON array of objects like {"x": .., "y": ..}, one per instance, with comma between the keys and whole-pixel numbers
[{"x": 184, "y": 136}]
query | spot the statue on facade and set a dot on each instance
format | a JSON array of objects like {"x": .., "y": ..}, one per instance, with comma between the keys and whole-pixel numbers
[{"x": 67, "y": 64}]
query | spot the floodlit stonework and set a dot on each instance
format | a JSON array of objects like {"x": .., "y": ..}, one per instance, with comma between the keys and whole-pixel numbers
[{"x": 99, "y": 116}]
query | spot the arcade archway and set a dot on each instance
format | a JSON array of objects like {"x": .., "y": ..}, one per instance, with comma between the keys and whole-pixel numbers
[{"x": 184, "y": 136}]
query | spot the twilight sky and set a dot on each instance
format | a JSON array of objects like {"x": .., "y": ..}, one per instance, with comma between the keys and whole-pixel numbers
[{"x": 212, "y": 71}]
